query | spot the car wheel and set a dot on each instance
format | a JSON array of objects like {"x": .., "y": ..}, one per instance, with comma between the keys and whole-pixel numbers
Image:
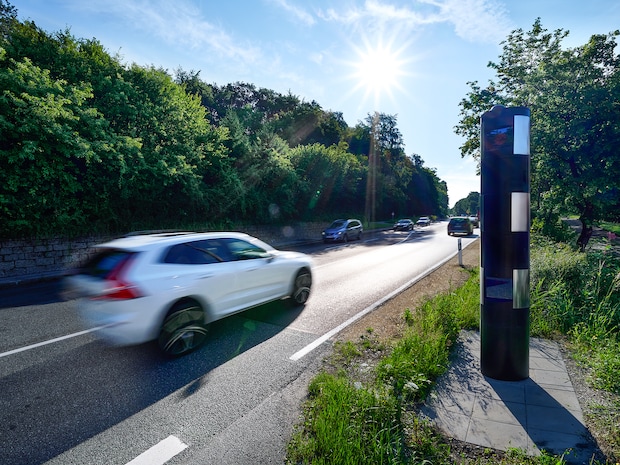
[
  {"x": 183, "y": 329},
  {"x": 301, "y": 287}
]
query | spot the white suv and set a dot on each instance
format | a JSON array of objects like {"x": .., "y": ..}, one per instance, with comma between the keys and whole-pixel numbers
[{"x": 170, "y": 286}]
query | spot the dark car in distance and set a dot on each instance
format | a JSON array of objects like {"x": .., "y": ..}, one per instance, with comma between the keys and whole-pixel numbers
[
  {"x": 460, "y": 225},
  {"x": 403, "y": 225},
  {"x": 343, "y": 231}
]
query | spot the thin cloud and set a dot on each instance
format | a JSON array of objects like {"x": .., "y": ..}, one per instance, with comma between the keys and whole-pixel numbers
[
  {"x": 473, "y": 20},
  {"x": 298, "y": 13},
  {"x": 179, "y": 23}
]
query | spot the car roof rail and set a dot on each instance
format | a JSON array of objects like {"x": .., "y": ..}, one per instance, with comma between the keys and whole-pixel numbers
[{"x": 161, "y": 232}]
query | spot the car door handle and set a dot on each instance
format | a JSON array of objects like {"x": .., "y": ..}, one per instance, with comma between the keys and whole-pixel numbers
[{"x": 205, "y": 276}]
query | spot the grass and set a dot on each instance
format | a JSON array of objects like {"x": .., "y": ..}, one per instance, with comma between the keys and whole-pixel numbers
[
  {"x": 361, "y": 413},
  {"x": 613, "y": 227}
]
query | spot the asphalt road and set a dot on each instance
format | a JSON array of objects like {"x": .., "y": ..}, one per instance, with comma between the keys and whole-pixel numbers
[{"x": 67, "y": 398}]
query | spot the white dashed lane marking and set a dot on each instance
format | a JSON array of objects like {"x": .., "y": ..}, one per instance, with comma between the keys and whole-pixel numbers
[{"x": 160, "y": 453}]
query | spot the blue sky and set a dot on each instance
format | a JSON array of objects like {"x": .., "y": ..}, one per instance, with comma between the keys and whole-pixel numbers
[{"x": 409, "y": 58}]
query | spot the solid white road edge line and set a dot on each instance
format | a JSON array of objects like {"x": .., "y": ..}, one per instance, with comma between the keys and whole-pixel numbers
[
  {"x": 161, "y": 452},
  {"x": 317, "y": 342},
  {"x": 51, "y": 341}
]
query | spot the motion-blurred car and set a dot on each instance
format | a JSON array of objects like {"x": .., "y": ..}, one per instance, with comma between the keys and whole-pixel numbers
[
  {"x": 423, "y": 221},
  {"x": 170, "y": 286},
  {"x": 343, "y": 231},
  {"x": 474, "y": 221},
  {"x": 403, "y": 225},
  {"x": 460, "y": 225}
]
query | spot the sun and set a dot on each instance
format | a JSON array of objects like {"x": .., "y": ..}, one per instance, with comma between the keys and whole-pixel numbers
[{"x": 378, "y": 70}]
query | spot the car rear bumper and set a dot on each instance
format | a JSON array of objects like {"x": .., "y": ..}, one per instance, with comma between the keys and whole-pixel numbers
[
  {"x": 465, "y": 233},
  {"x": 121, "y": 323}
]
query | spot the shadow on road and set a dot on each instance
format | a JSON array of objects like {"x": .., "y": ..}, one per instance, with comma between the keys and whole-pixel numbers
[{"x": 53, "y": 404}]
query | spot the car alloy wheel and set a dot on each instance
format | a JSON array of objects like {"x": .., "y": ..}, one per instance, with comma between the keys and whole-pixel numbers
[
  {"x": 183, "y": 329},
  {"x": 301, "y": 287}
]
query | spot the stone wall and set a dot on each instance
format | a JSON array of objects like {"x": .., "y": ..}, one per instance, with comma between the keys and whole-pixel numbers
[{"x": 30, "y": 260}]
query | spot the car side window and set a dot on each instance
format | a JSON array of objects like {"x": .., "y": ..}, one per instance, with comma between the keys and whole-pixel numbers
[
  {"x": 243, "y": 250},
  {"x": 198, "y": 253}
]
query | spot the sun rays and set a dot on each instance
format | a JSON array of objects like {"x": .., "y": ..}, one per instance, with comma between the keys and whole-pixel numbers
[{"x": 378, "y": 70}]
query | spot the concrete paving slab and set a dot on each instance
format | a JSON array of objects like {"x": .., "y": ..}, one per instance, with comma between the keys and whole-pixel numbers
[{"x": 538, "y": 413}]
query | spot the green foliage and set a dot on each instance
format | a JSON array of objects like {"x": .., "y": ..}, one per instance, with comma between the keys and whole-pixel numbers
[
  {"x": 577, "y": 294},
  {"x": 470, "y": 205},
  {"x": 347, "y": 350},
  {"x": 613, "y": 227},
  {"x": 45, "y": 146},
  {"x": 606, "y": 366},
  {"x": 421, "y": 355},
  {"x": 572, "y": 95},
  {"x": 549, "y": 224},
  {"x": 348, "y": 424},
  {"x": 572, "y": 292},
  {"x": 92, "y": 145},
  {"x": 328, "y": 179}
]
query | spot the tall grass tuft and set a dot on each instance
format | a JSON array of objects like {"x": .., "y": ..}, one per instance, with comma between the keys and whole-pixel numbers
[
  {"x": 422, "y": 354},
  {"x": 348, "y": 424}
]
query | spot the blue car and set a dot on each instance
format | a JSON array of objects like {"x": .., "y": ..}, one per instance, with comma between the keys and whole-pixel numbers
[{"x": 343, "y": 231}]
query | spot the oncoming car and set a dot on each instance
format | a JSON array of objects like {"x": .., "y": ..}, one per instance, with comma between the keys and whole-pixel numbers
[
  {"x": 170, "y": 286},
  {"x": 460, "y": 225},
  {"x": 403, "y": 225},
  {"x": 343, "y": 231}
]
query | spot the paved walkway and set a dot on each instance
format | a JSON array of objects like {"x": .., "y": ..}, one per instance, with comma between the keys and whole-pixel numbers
[{"x": 539, "y": 413}]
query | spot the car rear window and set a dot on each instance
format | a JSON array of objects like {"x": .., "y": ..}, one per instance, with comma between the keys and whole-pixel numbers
[{"x": 105, "y": 262}]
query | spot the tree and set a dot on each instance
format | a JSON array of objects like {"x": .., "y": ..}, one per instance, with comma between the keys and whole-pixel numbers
[
  {"x": 330, "y": 180},
  {"x": 88, "y": 143},
  {"x": 51, "y": 140},
  {"x": 573, "y": 95},
  {"x": 470, "y": 205},
  {"x": 8, "y": 15},
  {"x": 331, "y": 130}
]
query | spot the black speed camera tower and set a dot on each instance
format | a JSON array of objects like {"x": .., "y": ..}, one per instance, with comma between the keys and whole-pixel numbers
[{"x": 505, "y": 238}]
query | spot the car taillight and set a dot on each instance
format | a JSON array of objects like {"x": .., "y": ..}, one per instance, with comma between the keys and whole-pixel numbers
[
  {"x": 121, "y": 290},
  {"x": 117, "y": 287}
]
